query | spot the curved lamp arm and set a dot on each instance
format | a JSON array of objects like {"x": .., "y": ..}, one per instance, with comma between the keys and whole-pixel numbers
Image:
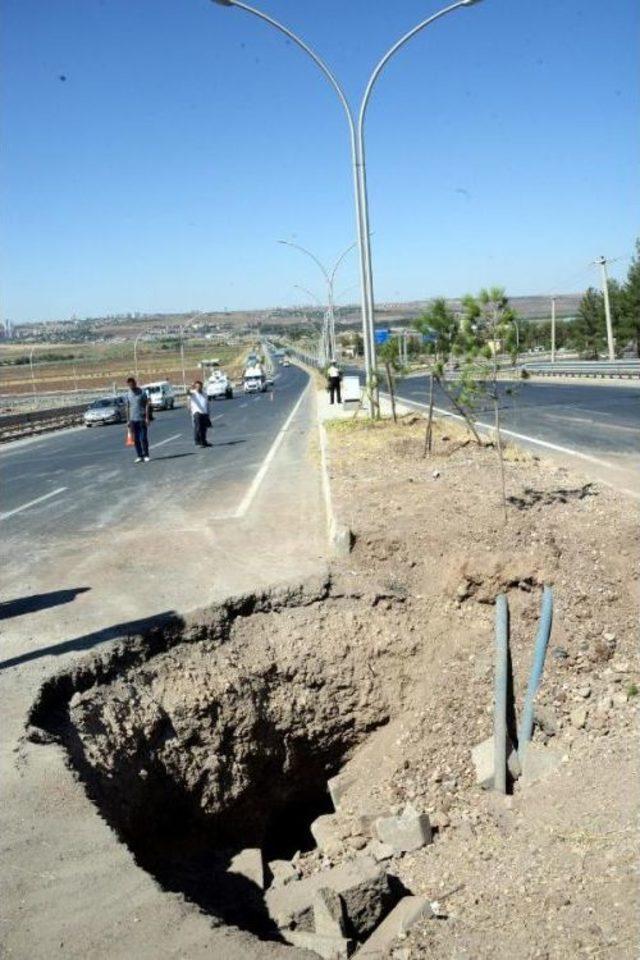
[
  {"x": 303, "y": 46},
  {"x": 340, "y": 259},
  {"x": 394, "y": 49},
  {"x": 296, "y": 246}
]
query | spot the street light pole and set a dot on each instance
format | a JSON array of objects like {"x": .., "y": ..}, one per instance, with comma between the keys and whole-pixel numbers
[
  {"x": 358, "y": 163},
  {"x": 33, "y": 378},
  {"x": 330, "y": 278},
  {"x": 602, "y": 262},
  {"x": 135, "y": 352},
  {"x": 553, "y": 329}
]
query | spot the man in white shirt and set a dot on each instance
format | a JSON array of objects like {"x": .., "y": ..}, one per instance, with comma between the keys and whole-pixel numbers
[
  {"x": 199, "y": 410},
  {"x": 333, "y": 382}
]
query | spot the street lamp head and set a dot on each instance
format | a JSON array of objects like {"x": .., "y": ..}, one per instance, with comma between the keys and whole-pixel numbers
[
  {"x": 465, "y": 3},
  {"x": 223, "y": 3}
]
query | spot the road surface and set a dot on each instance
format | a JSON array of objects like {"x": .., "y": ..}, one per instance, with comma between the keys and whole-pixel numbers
[
  {"x": 596, "y": 425},
  {"x": 86, "y": 479}
]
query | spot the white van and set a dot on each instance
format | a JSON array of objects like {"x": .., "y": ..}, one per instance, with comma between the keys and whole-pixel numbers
[{"x": 161, "y": 395}]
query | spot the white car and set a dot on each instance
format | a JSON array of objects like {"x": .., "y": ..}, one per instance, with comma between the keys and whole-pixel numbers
[
  {"x": 161, "y": 395},
  {"x": 219, "y": 388}
]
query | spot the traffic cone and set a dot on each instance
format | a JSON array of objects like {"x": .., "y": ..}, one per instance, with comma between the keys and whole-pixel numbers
[{"x": 129, "y": 442}]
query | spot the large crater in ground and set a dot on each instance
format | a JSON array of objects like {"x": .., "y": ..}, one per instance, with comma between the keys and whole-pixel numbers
[{"x": 218, "y": 732}]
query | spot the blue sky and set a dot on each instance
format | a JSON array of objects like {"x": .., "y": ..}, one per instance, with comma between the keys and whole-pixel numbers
[{"x": 187, "y": 138}]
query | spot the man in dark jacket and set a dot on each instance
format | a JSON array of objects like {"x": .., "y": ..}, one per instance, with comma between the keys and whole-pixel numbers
[{"x": 138, "y": 419}]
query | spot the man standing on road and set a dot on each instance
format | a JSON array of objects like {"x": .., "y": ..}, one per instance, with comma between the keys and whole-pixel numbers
[
  {"x": 199, "y": 410},
  {"x": 333, "y": 382},
  {"x": 138, "y": 419}
]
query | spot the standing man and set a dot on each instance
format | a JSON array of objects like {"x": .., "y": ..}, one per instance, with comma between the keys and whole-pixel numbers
[
  {"x": 199, "y": 410},
  {"x": 138, "y": 419},
  {"x": 333, "y": 382}
]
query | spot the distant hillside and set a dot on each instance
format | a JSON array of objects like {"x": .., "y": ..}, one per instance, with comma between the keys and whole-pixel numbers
[{"x": 219, "y": 322}]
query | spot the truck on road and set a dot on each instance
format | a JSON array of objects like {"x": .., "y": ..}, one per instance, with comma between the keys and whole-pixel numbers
[{"x": 254, "y": 379}]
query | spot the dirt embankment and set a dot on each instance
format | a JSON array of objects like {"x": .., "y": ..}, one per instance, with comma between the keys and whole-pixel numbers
[{"x": 550, "y": 871}]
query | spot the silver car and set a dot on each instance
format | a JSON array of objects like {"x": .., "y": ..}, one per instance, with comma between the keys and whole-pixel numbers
[{"x": 106, "y": 410}]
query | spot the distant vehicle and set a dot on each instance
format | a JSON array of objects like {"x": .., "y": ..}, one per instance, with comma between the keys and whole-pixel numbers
[
  {"x": 219, "y": 387},
  {"x": 106, "y": 410},
  {"x": 161, "y": 395},
  {"x": 254, "y": 379},
  {"x": 285, "y": 362}
]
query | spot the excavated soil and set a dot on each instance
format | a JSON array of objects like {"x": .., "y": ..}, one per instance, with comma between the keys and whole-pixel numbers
[{"x": 551, "y": 871}]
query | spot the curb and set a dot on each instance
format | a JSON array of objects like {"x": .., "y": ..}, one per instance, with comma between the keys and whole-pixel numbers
[{"x": 339, "y": 535}]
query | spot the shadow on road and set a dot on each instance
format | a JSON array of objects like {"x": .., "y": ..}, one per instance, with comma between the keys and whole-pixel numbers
[
  {"x": 39, "y": 601},
  {"x": 173, "y": 456},
  {"x": 119, "y": 631}
]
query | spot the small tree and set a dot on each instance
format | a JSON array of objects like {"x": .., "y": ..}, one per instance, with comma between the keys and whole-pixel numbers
[
  {"x": 388, "y": 353},
  {"x": 488, "y": 322},
  {"x": 590, "y": 325}
]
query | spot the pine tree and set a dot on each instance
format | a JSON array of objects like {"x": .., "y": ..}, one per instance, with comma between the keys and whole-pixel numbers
[{"x": 589, "y": 327}]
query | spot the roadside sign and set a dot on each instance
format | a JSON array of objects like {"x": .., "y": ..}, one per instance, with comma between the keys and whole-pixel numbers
[
  {"x": 381, "y": 336},
  {"x": 351, "y": 389}
]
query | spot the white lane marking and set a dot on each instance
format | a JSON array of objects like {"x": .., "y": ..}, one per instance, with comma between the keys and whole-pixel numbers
[
  {"x": 523, "y": 436},
  {"x": 160, "y": 443},
  {"x": 266, "y": 463},
  {"x": 591, "y": 422},
  {"x": 32, "y": 503},
  {"x": 219, "y": 417}
]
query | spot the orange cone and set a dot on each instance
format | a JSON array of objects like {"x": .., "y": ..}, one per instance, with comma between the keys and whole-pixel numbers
[{"x": 129, "y": 442}]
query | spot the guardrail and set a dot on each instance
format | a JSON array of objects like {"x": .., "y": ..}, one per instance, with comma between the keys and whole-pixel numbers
[
  {"x": 17, "y": 425},
  {"x": 625, "y": 369}
]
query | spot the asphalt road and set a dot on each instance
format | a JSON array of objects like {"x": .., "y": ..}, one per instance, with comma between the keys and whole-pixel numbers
[
  {"x": 86, "y": 479},
  {"x": 598, "y": 423}
]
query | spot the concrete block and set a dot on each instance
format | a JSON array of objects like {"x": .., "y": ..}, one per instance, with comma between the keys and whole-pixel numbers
[
  {"x": 397, "y": 924},
  {"x": 327, "y": 833},
  {"x": 482, "y": 757},
  {"x": 380, "y": 851},
  {"x": 341, "y": 539},
  {"x": 248, "y": 863},
  {"x": 282, "y": 871},
  {"x": 329, "y": 948},
  {"x": 328, "y": 914},
  {"x": 408, "y": 831},
  {"x": 361, "y": 883},
  {"x": 538, "y": 762},
  {"x": 338, "y": 787}
]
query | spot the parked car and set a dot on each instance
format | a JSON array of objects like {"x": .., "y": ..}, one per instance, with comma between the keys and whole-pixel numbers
[
  {"x": 106, "y": 410},
  {"x": 219, "y": 387},
  {"x": 161, "y": 395}
]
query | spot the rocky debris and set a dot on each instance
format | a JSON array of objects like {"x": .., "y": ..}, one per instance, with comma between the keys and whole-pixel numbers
[
  {"x": 545, "y": 720},
  {"x": 405, "y": 832},
  {"x": 380, "y": 851},
  {"x": 329, "y": 831},
  {"x": 328, "y": 913},
  {"x": 329, "y": 948},
  {"x": 397, "y": 924},
  {"x": 538, "y": 762},
  {"x": 249, "y": 864},
  {"x": 282, "y": 871},
  {"x": 361, "y": 883},
  {"x": 337, "y": 787},
  {"x": 482, "y": 756},
  {"x": 578, "y": 717}
]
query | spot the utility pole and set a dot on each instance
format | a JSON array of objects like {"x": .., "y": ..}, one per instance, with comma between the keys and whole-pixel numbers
[
  {"x": 602, "y": 263},
  {"x": 553, "y": 329}
]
